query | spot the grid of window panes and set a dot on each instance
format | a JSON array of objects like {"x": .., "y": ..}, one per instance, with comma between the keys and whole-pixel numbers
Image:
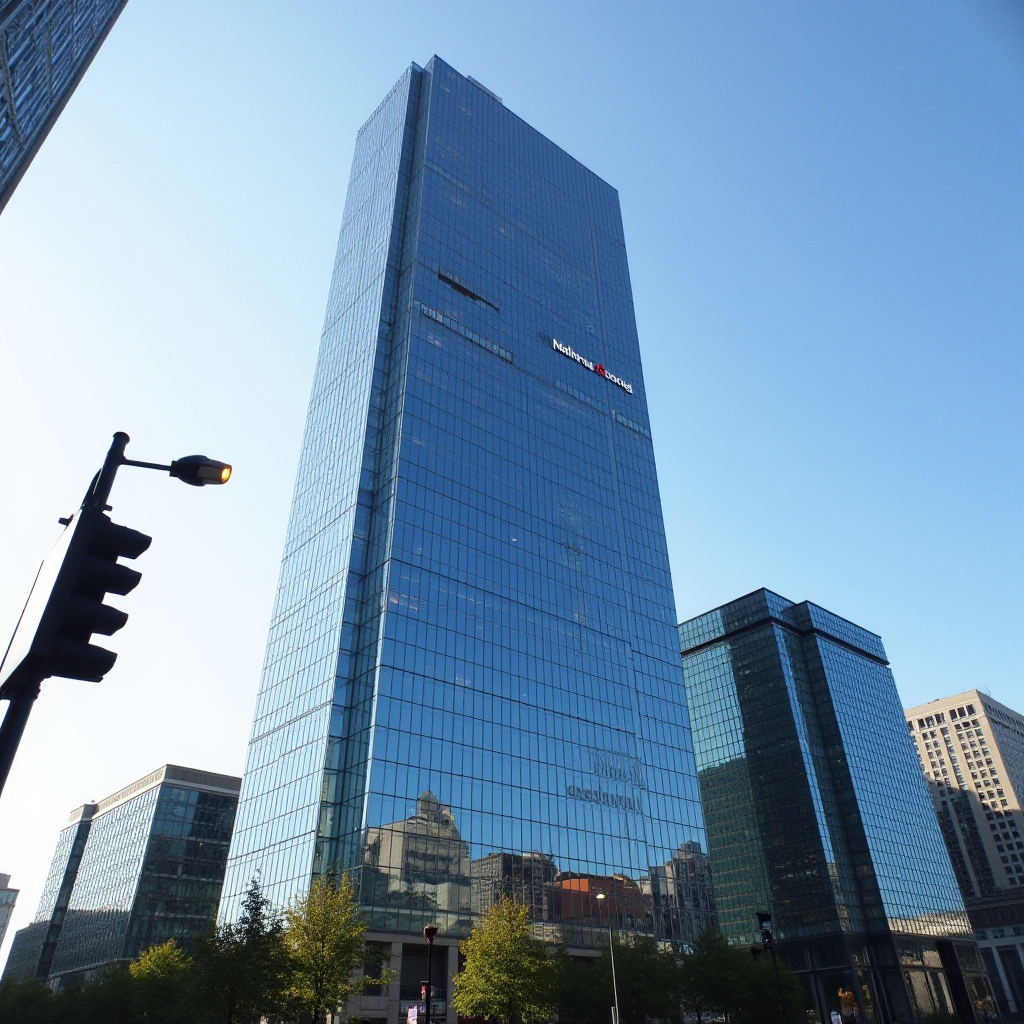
[
  {"x": 97, "y": 917},
  {"x": 800, "y": 744},
  {"x": 33, "y": 947},
  {"x": 731, "y": 814},
  {"x": 969, "y": 748},
  {"x": 915, "y": 879},
  {"x": 180, "y": 882},
  {"x": 509, "y": 680},
  {"x": 314, "y": 668},
  {"x": 44, "y": 48}
]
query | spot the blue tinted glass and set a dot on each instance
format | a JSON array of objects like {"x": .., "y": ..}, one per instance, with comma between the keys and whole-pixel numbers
[{"x": 472, "y": 682}]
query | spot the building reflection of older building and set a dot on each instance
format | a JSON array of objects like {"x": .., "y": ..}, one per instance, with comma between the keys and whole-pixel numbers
[
  {"x": 587, "y": 904},
  {"x": 524, "y": 877},
  {"x": 419, "y": 864},
  {"x": 682, "y": 895}
]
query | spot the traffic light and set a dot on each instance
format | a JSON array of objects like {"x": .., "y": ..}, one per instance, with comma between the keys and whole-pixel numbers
[{"x": 66, "y": 605}]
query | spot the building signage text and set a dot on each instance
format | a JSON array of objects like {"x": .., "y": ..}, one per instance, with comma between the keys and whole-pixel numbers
[
  {"x": 603, "y": 796},
  {"x": 596, "y": 367}
]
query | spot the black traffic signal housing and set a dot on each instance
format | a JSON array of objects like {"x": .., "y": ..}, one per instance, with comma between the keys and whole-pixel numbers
[{"x": 67, "y": 606}]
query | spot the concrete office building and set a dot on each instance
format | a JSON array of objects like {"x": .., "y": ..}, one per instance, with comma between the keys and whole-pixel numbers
[
  {"x": 142, "y": 866},
  {"x": 817, "y": 814},
  {"x": 473, "y": 643},
  {"x": 45, "y": 48},
  {"x": 8, "y": 897},
  {"x": 971, "y": 750}
]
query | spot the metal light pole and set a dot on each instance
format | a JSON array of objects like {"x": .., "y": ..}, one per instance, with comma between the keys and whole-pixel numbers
[
  {"x": 429, "y": 933},
  {"x": 65, "y": 603},
  {"x": 611, "y": 951}
]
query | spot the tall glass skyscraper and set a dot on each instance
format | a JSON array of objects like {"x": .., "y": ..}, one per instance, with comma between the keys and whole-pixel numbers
[
  {"x": 472, "y": 682},
  {"x": 817, "y": 814},
  {"x": 45, "y": 48}
]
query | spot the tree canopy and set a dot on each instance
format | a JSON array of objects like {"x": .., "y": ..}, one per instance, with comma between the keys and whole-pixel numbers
[
  {"x": 243, "y": 968},
  {"x": 163, "y": 979},
  {"x": 324, "y": 938},
  {"x": 507, "y": 974}
]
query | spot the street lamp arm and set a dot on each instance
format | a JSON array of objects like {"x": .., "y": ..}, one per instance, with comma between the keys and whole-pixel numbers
[{"x": 197, "y": 470}]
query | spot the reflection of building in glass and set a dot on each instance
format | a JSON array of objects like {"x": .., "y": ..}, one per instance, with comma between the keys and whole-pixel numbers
[
  {"x": 475, "y": 596},
  {"x": 139, "y": 868},
  {"x": 623, "y": 904},
  {"x": 971, "y": 749},
  {"x": 8, "y": 897},
  {"x": 524, "y": 877},
  {"x": 45, "y": 48},
  {"x": 816, "y": 813},
  {"x": 682, "y": 894},
  {"x": 420, "y": 863}
]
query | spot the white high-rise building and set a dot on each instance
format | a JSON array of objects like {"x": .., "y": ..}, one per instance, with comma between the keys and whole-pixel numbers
[{"x": 971, "y": 749}]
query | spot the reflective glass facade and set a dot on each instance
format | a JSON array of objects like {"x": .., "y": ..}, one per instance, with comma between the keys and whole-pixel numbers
[
  {"x": 45, "y": 47},
  {"x": 472, "y": 682},
  {"x": 141, "y": 867},
  {"x": 817, "y": 813}
]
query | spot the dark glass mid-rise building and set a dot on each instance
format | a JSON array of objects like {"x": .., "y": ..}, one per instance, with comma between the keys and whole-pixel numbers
[
  {"x": 472, "y": 663},
  {"x": 45, "y": 48},
  {"x": 817, "y": 814},
  {"x": 142, "y": 866}
]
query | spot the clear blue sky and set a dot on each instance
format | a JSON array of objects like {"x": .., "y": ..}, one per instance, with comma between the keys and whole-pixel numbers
[{"x": 824, "y": 213}]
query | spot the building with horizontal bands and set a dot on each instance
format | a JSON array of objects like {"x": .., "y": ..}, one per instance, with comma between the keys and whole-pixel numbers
[
  {"x": 142, "y": 866},
  {"x": 971, "y": 750}
]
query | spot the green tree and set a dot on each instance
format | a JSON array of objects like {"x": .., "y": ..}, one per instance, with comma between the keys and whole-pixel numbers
[
  {"x": 27, "y": 1002},
  {"x": 324, "y": 937},
  {"x": 163, "y": 979},
  {"x": 769, "y": 992},
  {"x": 243, "y": 970},
  {"x": 648, "y": 979},
  {"x": 108, "y": 999},
  {"x": 712, "y": 974},
  {"x": 507, "y": 974},
  {"x": 584, "y": 992}
]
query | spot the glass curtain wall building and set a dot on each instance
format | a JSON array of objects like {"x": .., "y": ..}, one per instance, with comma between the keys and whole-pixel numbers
[
  {"x": 817, "y": 814},
  {"x": 45, "y": 48},
  {"x": 142, "y": 866},
  {"x": 472, "y": 668}
]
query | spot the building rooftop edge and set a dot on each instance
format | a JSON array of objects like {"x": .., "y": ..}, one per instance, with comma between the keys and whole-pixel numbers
[
  {"x": 414, "y": 68},
  {"x": 769, "y": 614},
  {"x": 195, "y": 778},
  {"x": 959, "y": 698}
]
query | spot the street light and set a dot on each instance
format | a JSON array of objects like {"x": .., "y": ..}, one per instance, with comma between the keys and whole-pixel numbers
[
  {"x": 66, "y": 604},
  {"x": 611, "y": 950},
  {"x": 429, "y": 933}
]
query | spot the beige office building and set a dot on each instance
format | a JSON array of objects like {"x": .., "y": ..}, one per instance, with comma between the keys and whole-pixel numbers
[{"x": 971, "y": 750}]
